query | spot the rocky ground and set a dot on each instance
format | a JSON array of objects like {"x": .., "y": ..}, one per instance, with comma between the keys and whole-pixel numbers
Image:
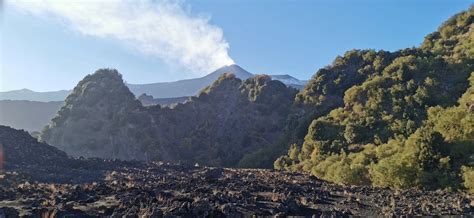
[
  {"x": 158, "y": 189},
  {"x": 60, "y": 186}
]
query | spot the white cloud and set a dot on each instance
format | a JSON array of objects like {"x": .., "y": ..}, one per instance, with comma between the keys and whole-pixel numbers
[{"x": 160, "y": 28}]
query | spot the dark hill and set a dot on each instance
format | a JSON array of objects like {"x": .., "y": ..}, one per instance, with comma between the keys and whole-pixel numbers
[
  {"x": 24, "y": 157},
  {"x": 22, "y": 150}
]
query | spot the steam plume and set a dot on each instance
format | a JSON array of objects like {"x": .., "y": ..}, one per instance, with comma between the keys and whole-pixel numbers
[{"x": 160, "y": 28}]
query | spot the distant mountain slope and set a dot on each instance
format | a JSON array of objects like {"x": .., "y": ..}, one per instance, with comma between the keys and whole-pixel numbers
[
  {"x": 27, "y": 115},
  {"x": 162, "y": 92},
  {"x": 188, "y": 87},
  {"x": 191, "y": 87},
  {"x": 29, "y": 95},
  {"x": 227, "y": 120}
]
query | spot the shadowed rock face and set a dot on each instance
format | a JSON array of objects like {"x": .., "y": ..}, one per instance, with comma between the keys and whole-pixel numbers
[{"x": 227, "y": 120}]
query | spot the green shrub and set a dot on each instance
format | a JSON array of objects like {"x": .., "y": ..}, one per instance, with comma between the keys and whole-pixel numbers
[{"x": 468, "y": 178}]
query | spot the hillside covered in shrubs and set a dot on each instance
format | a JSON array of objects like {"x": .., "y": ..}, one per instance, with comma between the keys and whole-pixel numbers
[{"x": 392, "y": 119}]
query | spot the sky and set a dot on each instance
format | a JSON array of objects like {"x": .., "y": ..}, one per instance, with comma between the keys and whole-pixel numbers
[{"x": 48, "y": 45}]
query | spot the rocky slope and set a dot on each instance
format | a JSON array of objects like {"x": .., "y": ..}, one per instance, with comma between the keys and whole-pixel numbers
[{"x": 158, "y": 189}]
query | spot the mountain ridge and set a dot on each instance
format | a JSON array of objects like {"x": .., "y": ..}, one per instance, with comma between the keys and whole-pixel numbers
[{"x": 159, "y": 90}]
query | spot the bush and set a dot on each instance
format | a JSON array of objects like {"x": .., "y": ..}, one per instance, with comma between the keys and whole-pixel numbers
[{"x": 468, "y": 178}]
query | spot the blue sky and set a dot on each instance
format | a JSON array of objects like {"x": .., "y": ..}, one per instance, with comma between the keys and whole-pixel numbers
[{"x": 274, "y": 37}]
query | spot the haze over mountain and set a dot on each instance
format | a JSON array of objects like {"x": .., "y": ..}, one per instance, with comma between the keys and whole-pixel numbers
[
  {"x": 167, "y": 90},
  {"x": 29, "y": 95},
  {"x": 28, "y": 115}
]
